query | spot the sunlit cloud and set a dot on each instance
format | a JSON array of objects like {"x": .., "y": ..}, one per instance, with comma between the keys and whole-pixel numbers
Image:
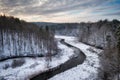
[{"x": 61, "y": 10}]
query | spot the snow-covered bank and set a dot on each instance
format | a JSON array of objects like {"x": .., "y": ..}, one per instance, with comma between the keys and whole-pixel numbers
[
  {"x": 65, "y": 37},
  {"x": 33, "y": 66},
  {"x": 86, "y": 71}
]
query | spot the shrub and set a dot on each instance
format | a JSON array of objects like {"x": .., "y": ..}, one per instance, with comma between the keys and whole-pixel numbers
[{"x": 17, "y": 63}]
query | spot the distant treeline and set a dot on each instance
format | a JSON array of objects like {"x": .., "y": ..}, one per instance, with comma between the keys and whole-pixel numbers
[
  {"x": 93, "y": 33},
  {"x": 103, "y": 34},
  {"x": 20, "y": 38}
]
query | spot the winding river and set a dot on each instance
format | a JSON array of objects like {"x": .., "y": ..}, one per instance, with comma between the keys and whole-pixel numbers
[{"x": 74, "y": 61}]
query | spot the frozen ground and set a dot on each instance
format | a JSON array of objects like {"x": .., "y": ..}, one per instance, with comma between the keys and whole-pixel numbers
[
  {"x": 32, "y": 66},
  {"x": 86, "y": 71}
]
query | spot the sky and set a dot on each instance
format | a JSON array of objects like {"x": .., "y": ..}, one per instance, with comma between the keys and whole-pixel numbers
[{"x": 61, "y": 10}]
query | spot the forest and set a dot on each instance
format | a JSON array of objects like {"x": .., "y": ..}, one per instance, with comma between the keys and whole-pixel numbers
[
  {"x": 21, "y": 39},
  {"x": 103, "y": 34}
]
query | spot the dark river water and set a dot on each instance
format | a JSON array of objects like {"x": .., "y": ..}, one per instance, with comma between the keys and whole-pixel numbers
[{"x": 74, "y": 61}]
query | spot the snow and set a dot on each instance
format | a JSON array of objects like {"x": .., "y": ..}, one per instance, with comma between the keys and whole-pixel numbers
[
  {"x": 86, "y": 71},
  {"x": 33, "y": 66},
  {"x": 65, "y": 37},
  {"x": 20, "y": 44}
]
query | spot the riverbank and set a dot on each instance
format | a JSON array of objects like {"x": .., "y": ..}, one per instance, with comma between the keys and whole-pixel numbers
[
  {"x": 33, "y": 66},
  {"x": 86, "y": 71},
  {"x": 76, "y": 59}
]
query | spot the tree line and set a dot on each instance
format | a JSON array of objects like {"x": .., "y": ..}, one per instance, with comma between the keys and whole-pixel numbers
[
  {"x": 19, "y": 39},
  {"x": 105, "y": 35}
]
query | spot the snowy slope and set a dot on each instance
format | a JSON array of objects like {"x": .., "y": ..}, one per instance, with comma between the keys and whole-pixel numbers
[
  {"x": 33, "y": 66},
  {"x": 86, "y": 71},
  {"x": 15, "y": 45}
]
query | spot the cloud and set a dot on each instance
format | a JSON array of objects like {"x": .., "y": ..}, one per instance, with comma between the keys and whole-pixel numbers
[
  {"x": 56, "y": 9},
  {"x": 113, "y": 13}
]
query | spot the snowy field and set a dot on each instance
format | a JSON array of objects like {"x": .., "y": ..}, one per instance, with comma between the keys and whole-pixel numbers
[
  {"x": 86, "y": 71},
  {"x": 33, "y": 66}
]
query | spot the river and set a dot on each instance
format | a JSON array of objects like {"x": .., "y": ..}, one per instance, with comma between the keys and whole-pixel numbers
[{"x": 77, "y": 59}]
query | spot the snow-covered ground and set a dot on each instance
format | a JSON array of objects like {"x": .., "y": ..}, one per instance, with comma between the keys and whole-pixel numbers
[
  {"x": 86, "y": 71},
  {"x": 69, "y": 38},
  {"x": 33, "y": 66}
]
